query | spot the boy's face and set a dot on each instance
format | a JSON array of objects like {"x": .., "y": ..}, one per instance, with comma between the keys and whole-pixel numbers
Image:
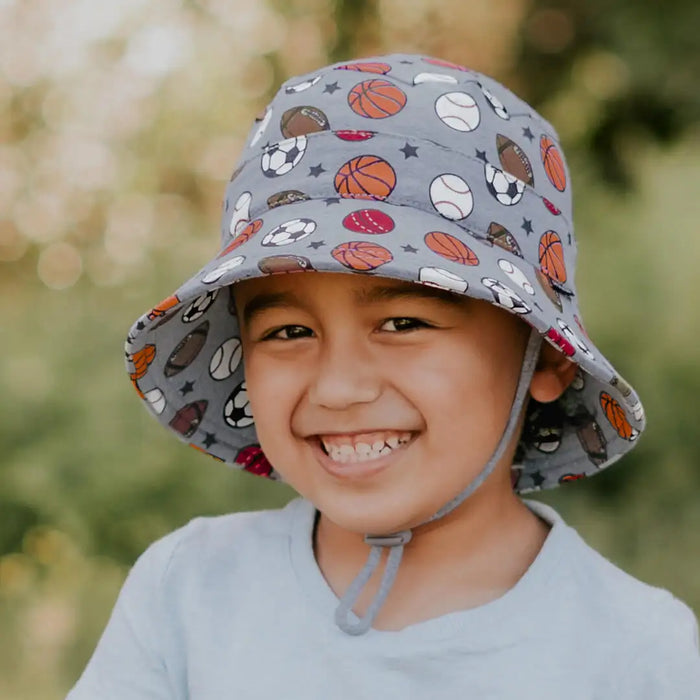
[{"x": 341, "y": 353}]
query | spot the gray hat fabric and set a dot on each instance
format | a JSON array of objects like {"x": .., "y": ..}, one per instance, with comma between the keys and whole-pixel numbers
[{"x": 406, "y": 167}]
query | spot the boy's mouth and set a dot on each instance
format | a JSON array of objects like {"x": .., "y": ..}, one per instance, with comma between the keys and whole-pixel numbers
[{"x": 363, "y": 447}]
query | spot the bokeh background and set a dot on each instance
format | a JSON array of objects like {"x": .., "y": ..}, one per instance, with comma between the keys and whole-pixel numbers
[{"x": 120, "y": 123}]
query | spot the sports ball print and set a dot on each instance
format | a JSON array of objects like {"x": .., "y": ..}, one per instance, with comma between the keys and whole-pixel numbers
[
  {"x": 444, "y": 64},
  {"x": 279, "y": 158},
  {"x": 504, "y": 296},
  {"x": 553, "y": 163},
  {"x": 264, "y": 121},
  {"x": 199, "y": 306},
  {"x": 155, "y": 400},
  {"x": 543, "y": 428},
  {"x": 280, "y": 199},
  {"x": 361, "y": 256},
  {"x": 450, "y": 248},
  {"x": 551, "y": 293},
  {"x": 289, "y": 232},
  {"x": 556, "y": 339},
  {"x": 551, "y": 207},
  {"x": 434, "y": 78},
  {"x": 237, "y": 411},
  {"x": 279, "y": 264},
  {"x": 142, "y": 359},
  {"x": 365, "y": 177},
  {"x": 187, "y": 419},
  {"x": 499, "y": 235},
  {"x": 253, "y": 460},
  {"x": 298, "y": 121},
  {"x": 458, "y": 110},
  {"x": 591, "y": 438},
  {"x": 376, "y": 99},
  {"x": 354, "y": 134},
  {"x": 506, "y": 188},
  {"x": 574, "y": 339},
  {"x": 566, "y": 478},
  {"x": 451, "y": 196},
  {"x": 513, "y": 159},
  {"x": 302, "y": 86},
  {"x": 368, "y": 221},
  {"x": 240, "y": 214},
  {"x": 442, "y": 279},
  {"x": 517, "y": 276},
  {"x": 617, "y": 417},
  {"x": 244, "y": 235},
  {"x": 218, "y": 272},
  {"x": 186, "y": 350},
  {"x": 551, "y": 256},
  {"x": 495, "y": 104},
  {"x": 159, "y": 310},
  {"x": 366, "y": 67},
  {"x": 226, "y": 359}
]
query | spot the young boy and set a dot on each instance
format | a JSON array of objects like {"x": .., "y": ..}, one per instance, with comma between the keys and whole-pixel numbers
[{"x": 398, "y": 381}]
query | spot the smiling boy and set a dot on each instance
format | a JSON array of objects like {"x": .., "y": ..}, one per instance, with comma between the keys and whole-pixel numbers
[{"x": 396, "y": 246}]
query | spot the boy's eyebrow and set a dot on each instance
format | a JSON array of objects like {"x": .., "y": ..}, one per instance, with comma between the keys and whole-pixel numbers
[{"x": 405, "y": 290}]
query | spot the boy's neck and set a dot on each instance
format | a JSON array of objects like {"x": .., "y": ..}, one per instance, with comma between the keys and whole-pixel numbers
[{"x": 467, "y": 558}]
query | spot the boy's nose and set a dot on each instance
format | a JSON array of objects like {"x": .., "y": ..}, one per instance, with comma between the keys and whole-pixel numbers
[{"x": 344, "y": 374}]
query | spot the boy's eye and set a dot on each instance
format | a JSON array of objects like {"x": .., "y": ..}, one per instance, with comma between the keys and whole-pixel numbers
[
  {"x": 288, "y": 333},
  {"x": 404, "y": 323}
]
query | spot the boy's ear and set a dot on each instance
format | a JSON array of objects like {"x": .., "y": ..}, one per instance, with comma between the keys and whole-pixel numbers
[{"x": 553, "y": 374}]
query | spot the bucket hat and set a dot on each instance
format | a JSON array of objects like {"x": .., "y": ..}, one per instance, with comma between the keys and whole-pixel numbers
[{"x": 400, "y": 166}]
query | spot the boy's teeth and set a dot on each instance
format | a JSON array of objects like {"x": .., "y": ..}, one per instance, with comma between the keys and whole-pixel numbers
[{"x": 345, "y": 452}]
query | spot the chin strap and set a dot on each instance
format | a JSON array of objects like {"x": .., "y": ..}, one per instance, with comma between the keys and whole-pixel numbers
[{"x": 395, "y": 542}]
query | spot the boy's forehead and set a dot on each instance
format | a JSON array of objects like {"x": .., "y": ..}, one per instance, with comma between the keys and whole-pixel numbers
[{"x": 278, "y": 290}]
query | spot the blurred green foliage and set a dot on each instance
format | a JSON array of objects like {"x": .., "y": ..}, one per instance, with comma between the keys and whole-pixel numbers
[{"x": 120, "y": 124}]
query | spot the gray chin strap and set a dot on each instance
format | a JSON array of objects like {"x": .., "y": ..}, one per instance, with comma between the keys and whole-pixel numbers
[{"x": 395, "y": 542}]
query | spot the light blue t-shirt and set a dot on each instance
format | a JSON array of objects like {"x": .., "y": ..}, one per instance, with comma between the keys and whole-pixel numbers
[{"x": 235, "y": 607}]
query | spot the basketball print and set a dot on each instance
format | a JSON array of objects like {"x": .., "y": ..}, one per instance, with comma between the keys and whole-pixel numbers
[
  {"x": 499, "y": 235},
  {"x": 239, "y": 215},
  {"x": 451, "y": 196},
  {"x": 141, "y": 360},
  {"x": 442, "y": 279},
  {"x": 366, "y": 67},
  {"x": 450, "y": 248},
  {"x": 226, "y": 359},
  {"x": 187, "y": 419},
  {"x": 218, "y": 272},
  {"x": 516, "y": 275},
  {"x": 551, "y": 293},
  {"x": 551, "y": 255},
  {"x": 246, "y": 233},
  {"x": 376, "y": 99},
  {"x": 354, "y": 134},
  {"x": 289, "y": 232},
  {"x": 302, "y": 86},
  {"x": 616, "y": 417},
  {"x": 444, "y": 64},
  {"x": 458, "y": 110},
  {"x": 280, "y": 199},
  {"x": 155, "y": 400},
  {"x": 281, "y": 264},
  {"x": 496, "y": 105},
  {"x": 264, "y": 121},
  {"x": 298, "y": 121},
  {"x": 160, "y": 310},
  {"x": 186, "y": 350},
  {"x": 361, "y": 256},
  {"x": 434, "y": 78},
  {"x": 566, "y": 478},
  {"x": 553, "y": 163},
  {"x": 368, "y": 221},
  {"x": 365, "y": 177},
  {"x": 513, "y": 159},
  {"x": 279, "y": 158}
]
